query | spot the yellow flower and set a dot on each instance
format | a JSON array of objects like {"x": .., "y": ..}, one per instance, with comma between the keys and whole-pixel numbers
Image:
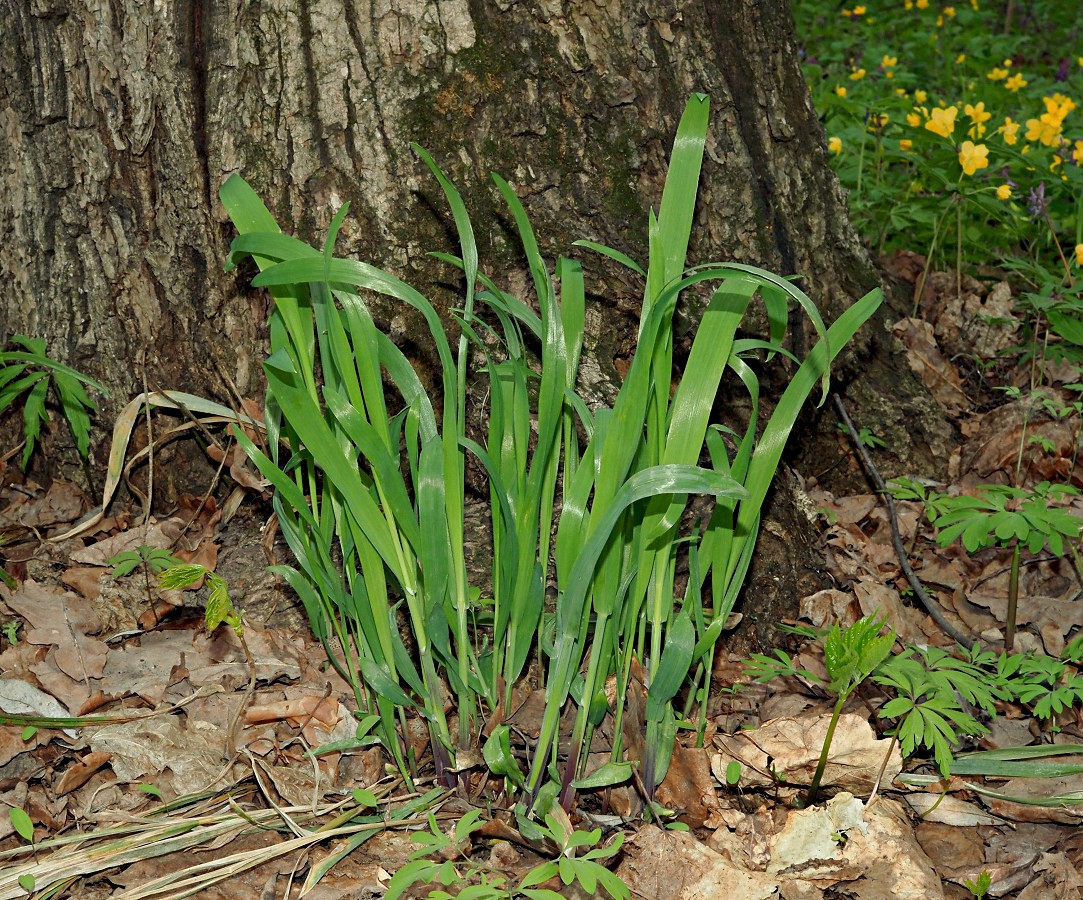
[
  {"x": 1007, "y": 64},
  {"x": 996, "y": 74},
  {"x": 920, "y": 96},
  {"x": 974, "y": 4},
  {"x": 978, "y": 116},
  {"x": 1046, "y": 130},
  {"x": 834, "y": 144},
  {"x": 906, "y": 146},
  {"x": 949, "y": 11},
  {"x": 859, "y": 10},
  {"x": 1058, "y": 106},
  {"x": 942, "y": 121},
  {"x": 960, "y": 59},
  {"x": 1004, "y": 191},
  {"x": 878, "y": 120},
  {"x": 1077, "y": 153},
  {"x": 913, "y": 119},
  {"x": 840, "y": 90},
  {"x": 1010, "y": 130},
  {"x": 939, "y": 21},
  {"x": 977, "y": 113},
  {"x": 888, "y": 61},
  {"x": 909, "y": 4},
  {"x": 1016, "y": 82},
  {"x": 857, "y": 74},
  {"x": 922, "y": 4},
  {"x": 889, "y": 74},
  {"x": 901, "y": 92},
  {"x": 973, "y": 157},
  {"x": 1079, "y": 247}
]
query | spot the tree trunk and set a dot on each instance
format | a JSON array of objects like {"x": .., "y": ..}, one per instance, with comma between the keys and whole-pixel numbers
[{"x": 122, "y": 118}]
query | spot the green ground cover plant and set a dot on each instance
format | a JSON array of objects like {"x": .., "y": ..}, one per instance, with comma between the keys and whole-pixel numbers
[
  {"x": 369, "y": 492},
  {"x": 1003, "y": 516},
  {"x": 935, "y": 696},
  {"x": 28, "y": 375},
  {"x": 955, "y": 129}
]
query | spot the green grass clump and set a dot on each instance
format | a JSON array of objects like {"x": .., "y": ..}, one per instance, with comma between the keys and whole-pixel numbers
[{"x": 369, "y": 491}]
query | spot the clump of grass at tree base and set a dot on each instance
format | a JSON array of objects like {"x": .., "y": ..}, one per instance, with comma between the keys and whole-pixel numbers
[
  {"x": 397, "y": 519},
  {"x": 29, "y": 373},
  {"x": 890, "y": 81}
]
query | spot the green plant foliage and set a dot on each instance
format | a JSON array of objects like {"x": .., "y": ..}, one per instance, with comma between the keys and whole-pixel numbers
[
  {"x": 851, "y": 655},
  {"x": 927, "y": 702},
  {"x": 952, "y": 130},
  {"x": 986, "y": 520},
  {"x": 979, "y": 887},
  {"x": 20, "y": 821},
  {"x": 1005, "y": 516},
  {"x": 31, "y": 373},
  {"x": 153, "y": 558},
  {"x": 219, "y": 607},
  {"x": 369, "y": 487}
]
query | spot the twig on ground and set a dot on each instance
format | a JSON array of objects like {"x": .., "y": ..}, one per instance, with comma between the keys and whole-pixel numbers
[{"x": 896, "y": 537}]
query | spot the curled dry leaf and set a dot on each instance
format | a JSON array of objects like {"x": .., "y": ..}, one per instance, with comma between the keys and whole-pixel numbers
[{"x": 790, "y": 748}]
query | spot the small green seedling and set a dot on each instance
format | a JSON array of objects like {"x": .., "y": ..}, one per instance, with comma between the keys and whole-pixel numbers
[
  {"x": 153, "y": 559},
  {"x": 866, "y": 437},
  {"x": 219, "y": 609},
  {"x": 22, "y": 824},
  {"x": 851, "y": 656},
  {"x": 979, "y": 887},
  {"x": 10, "y": 630},
  {"x": 32, "y": 373},
  {"x": 1009, "y": 517}
]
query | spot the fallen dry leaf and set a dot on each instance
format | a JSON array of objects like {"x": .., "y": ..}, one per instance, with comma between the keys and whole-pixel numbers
[
  {"x": 930, "y": 365},
  {"x": 790, "y": 747},
  {"x": 80, "y": 772},
  {"x": 62, "y": 620},
  {"x": 672, "y": 865},
  {"x": 143, "y": 750}
]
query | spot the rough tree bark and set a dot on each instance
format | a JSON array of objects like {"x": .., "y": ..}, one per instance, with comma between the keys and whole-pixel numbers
[{"x": 121, "y": 119}]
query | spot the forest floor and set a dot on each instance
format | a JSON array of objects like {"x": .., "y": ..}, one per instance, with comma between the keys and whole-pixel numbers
[{"x": 201, "y": 780}]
